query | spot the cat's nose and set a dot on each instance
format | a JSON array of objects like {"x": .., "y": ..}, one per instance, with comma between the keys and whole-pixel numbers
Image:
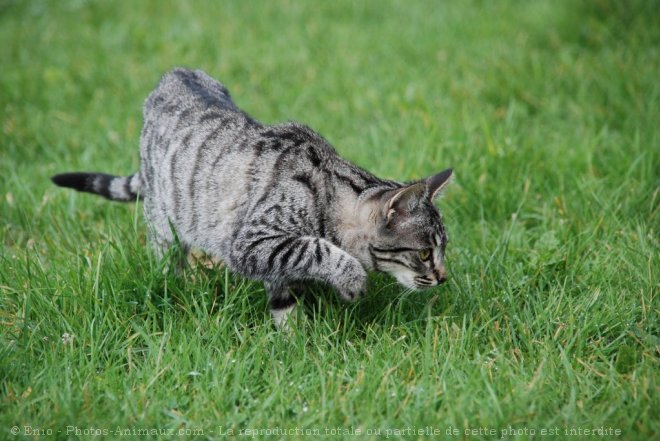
[{"x": 441, "y": 274}]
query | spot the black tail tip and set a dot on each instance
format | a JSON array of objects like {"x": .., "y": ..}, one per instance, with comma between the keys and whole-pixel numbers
[{"x": 76, "y": 181}]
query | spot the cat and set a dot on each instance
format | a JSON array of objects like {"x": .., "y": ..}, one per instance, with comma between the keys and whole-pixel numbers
[{"x": 274, "y": 203}]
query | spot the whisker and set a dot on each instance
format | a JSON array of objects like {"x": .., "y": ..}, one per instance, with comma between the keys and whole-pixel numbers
[{"x": 407, "y": 291}]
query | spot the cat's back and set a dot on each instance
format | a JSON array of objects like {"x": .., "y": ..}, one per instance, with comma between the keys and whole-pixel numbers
[{"x": 186, "y": 90}]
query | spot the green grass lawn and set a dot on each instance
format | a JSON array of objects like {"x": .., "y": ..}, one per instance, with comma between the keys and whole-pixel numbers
[{"x": 549, "y": 326}]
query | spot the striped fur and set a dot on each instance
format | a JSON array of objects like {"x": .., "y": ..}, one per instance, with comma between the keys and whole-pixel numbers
[
  {"x": 275, "y": 203},
  {"x": 116, "y": 188}
]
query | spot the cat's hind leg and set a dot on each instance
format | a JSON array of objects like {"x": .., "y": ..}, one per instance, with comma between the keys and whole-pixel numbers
[
  {"x": 175, "y": 252},
  {"x": 164, "y": 243}
]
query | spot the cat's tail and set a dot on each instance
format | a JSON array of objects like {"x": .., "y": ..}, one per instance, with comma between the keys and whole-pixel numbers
[{"x": 115, "y": 188}]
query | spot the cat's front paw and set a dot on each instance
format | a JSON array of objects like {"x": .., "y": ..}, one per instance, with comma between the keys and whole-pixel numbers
[{"x": 353, "y": 282}]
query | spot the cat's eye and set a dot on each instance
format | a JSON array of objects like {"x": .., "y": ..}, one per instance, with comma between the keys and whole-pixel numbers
[{"x": 425, "y": 254}]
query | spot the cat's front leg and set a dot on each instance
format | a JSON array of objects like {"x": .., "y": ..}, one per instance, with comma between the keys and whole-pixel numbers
[
  {"x": 321, "y": 260},
  {"x": 347, "y": 275},
  {"x": 276, "y": 258}
]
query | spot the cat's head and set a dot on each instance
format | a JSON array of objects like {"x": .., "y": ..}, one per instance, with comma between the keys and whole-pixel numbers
[{"x": 411, "y": 239}]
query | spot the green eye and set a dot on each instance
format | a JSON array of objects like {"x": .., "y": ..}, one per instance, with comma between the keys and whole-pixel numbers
[{"x": 425, "y": 254}]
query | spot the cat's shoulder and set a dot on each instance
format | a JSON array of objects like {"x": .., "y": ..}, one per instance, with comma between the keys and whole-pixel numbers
[{"x": 295, "y": 133}]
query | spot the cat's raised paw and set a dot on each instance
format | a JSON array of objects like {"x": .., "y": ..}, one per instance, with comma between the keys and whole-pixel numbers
[{"x": 354, "y": 283}]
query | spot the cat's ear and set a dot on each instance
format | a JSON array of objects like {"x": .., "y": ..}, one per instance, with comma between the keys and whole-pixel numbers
[
  {"x": 438, "y": 182},
  {"x": 404, "y": 200}
]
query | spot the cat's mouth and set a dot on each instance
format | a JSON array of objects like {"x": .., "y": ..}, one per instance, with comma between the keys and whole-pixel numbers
[
  {"x": 424, "y": 282},
  {"x": 418, "y": 283}
]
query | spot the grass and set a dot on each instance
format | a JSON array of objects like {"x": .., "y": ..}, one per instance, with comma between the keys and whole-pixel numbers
[{"x": 548, "y": 112}]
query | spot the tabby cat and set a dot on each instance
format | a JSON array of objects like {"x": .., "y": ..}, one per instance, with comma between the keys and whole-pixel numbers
[{"x": 275, "y": 203}]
